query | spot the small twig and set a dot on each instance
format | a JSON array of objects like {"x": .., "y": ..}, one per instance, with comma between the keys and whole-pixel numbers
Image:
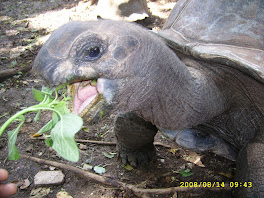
[
  {"x": 108, "y": 181},
  {"x": 103, "y": 142},
  {"x": 114, "y": 143},
  {"x": 82, "y": 141},
  {"x": 96, "y": 142}
]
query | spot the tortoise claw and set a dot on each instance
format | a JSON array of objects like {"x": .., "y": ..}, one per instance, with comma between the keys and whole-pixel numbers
[{"x": 136, "y": 158}]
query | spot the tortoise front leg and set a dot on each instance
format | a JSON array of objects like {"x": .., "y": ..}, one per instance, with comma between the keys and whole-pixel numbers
[
  {"x": 250, "y": 171},
  {"x": 135, "y": 138}
]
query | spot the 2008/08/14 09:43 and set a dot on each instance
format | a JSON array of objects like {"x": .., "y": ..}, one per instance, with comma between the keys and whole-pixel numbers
[{"x": 215, "y": 184}]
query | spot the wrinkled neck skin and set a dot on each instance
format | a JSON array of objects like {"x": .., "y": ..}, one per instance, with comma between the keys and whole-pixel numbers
[{"x": 168, "y": 93}]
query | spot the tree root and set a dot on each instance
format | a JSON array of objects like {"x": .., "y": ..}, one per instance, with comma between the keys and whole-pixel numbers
[
  {"x": 114, "y": 183},
  {"x": 11, "y": 72}
]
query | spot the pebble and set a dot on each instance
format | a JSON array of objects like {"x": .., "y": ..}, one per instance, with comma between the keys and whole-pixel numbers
[
  {"x": 49, "y": 178},
  {"x": 83, "y": 146}
]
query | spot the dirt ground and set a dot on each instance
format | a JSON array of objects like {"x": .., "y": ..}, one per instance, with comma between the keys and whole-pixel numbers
[{"x": 25, "y": 25}]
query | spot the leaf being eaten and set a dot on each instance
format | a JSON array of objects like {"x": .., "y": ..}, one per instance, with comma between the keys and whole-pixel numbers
[{"x": 63, "y": 136}]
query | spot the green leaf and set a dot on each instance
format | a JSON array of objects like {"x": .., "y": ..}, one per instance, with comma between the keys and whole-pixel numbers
[
  {"x": 48, "y": 142},
  {"x": 46, "y": 127},
  {"x": 47, "y": 90},
  {"x": 36, "y": 118},
  {"x": 12, "y": 149},
  {"x": 55, "y": 118},
  {"x": 62, "y": 108},
  {"x": 85, "y": 129},
  {"x": 94, "y": 82},
  {"x": 128, "y": 167},
  {"x": 21, "y": 118},
  {"x": 38, "y": 95},
  {"x": 49, "y": 99},
  {"x": 186, "y": 173},
  {"x": 63, "y": 136},
  {"x": 99, "y": 169},
  {"x": 109, "y": 155}
]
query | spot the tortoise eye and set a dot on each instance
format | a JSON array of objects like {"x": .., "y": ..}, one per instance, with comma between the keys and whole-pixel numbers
[
  {"x": 94, "y": 52},
  {"x": 88, "y": 48},
  {"x": 90, "y": 53}
]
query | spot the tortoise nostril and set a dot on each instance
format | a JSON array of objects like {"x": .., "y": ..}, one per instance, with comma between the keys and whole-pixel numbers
[{"x": 119, "y": 53}]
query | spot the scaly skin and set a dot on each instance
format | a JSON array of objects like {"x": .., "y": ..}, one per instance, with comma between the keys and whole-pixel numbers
[{"x": 135, "y": 139}]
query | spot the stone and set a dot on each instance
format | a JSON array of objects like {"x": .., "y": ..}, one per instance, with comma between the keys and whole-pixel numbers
[{"x": 49, "y": 178}]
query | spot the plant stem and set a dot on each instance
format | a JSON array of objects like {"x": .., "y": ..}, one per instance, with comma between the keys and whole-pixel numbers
[{"x": 32, "y": 108}]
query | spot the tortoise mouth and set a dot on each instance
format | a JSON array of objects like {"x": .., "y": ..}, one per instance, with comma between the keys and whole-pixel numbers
[{"x": 85, "y": 95}]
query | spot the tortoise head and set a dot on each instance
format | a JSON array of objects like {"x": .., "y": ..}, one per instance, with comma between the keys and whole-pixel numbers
[{"x": 116, "y": 54}]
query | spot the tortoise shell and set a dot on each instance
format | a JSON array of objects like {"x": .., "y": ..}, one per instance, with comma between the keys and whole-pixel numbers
[{"x": 226, "y": 32}]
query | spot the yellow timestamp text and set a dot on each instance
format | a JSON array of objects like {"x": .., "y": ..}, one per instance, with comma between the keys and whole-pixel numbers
[{"x": 216, "y": 184}]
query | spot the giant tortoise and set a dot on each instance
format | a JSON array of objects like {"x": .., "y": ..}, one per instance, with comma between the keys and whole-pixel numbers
[{"x": 199, "y": 80}]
